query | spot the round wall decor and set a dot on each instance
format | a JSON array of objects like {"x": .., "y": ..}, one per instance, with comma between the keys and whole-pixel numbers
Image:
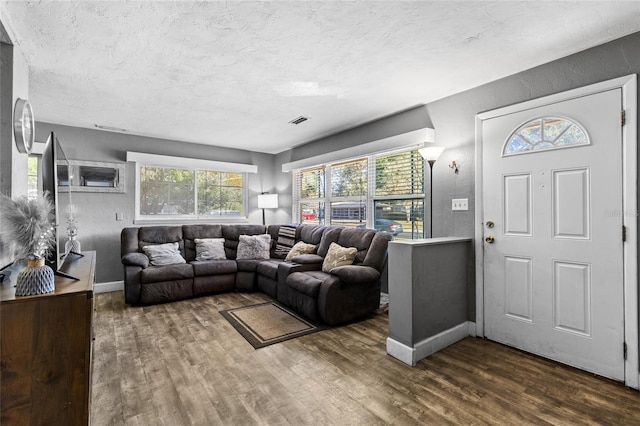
[{"x": 24, "y": 129}]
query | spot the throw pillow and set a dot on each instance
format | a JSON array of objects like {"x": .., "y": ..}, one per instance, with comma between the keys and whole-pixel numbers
[
  {"x": 210, "y": 248},
  {"x": 163, "y": 254},
  {"x": 286, "y": 240},
  {"x": 254, "y": 246},
  {"x": 338, "y": 256},
  {"x": 300, "y": 248}
]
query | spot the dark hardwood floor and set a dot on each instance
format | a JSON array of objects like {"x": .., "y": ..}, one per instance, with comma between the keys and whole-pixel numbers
[{"x": 183, "y": 364}]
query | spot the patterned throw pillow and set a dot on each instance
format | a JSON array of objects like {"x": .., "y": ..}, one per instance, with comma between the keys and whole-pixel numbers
[
  {"x": 338, "y": 256},
  {"x": 210, "y": 248},
  {"x": 163, "y": 254},
  {"x": 254, "y": 246},
  {"x": 300, "y": 248},
  {"x": 286, "y": 240}
]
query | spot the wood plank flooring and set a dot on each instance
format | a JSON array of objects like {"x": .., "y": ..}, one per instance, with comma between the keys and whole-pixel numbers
[{"x": 183, "y": 364}]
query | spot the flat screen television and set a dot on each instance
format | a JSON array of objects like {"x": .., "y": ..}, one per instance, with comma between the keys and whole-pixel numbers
[{"x": 51, "y": 156}]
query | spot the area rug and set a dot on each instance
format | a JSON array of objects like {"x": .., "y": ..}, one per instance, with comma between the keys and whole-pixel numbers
[{"x": 268, "y": 323}]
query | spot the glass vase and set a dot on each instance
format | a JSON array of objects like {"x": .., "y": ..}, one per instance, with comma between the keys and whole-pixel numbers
[{"x": 72, "y": 244}]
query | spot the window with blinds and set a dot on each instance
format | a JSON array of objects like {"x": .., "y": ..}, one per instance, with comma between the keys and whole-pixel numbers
[{"x": 384, "y": 191}]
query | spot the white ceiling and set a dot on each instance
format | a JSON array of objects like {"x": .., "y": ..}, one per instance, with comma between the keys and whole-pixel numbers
[{"x": 234, "y": 74}]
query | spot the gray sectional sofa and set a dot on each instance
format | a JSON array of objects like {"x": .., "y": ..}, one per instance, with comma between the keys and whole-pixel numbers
[{"x": 334, "y": 296}]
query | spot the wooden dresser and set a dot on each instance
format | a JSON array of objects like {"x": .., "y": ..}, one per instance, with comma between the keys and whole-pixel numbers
[{"x": 46, "y": 345}]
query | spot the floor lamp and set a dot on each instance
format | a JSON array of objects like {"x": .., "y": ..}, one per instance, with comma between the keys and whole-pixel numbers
[
  {"x": 431, "y": 154},
  {"x": 267, "y": 201}
]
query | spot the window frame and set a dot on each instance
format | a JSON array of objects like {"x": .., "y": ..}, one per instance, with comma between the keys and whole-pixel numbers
[{"x": 369, "y": 199}]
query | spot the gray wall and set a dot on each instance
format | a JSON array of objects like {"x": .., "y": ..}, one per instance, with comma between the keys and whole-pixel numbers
[
  {"x": 98, "y": 228},
  {"x": 454, "y": 121}
]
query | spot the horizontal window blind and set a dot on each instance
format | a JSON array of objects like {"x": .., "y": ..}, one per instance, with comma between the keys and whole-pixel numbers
[
  {"x": 383, "y": 191},
  {"x": 349, "y": 179},
  {"x": 400, "y": 173}
]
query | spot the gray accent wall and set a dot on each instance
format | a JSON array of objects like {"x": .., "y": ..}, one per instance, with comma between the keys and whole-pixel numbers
[
  {"x": 98, "y": 228},
  {"x": 453, "y": 119}
]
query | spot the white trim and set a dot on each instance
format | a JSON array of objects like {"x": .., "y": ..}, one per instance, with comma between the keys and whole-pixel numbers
[
  {"x": 405, "y": 140},
  {"x": 630, "y": 221},
  {"x": 402, "y": 352},
  {"x": 430, "y": 345},
  {"x": 628, "y": 84},
  {"x": 108, "y": 287},
  {"x": 189, "y": 163},
  {"x": 472, "y": 328}
]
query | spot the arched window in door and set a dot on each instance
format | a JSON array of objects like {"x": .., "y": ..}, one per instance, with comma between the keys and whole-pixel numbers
[{"x": 543, "y": 134}]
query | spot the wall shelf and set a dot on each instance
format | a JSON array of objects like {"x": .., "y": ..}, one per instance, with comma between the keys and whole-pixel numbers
[{"x": 91, "y": 176}]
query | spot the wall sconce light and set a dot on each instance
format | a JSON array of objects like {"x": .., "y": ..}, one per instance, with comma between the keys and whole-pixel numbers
[
  {"x": 454, "y": 166},
  {"x": 267, "y": 201},
  {"x": 431, "y": 154}
]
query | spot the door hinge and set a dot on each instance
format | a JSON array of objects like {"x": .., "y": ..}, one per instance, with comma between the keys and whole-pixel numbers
[
  {"x": 624, "y": 233},
  {"x": 623, "y": 118},
  {"x": 624, "y": 349}
]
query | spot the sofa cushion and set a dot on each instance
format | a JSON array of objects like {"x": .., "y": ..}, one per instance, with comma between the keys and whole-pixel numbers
[
  {"x": 163, "y": 254},
  {"x": 210, "y": 248},
  {"x": 286, "y": 240},
  {"x": 232, "y": 233},
  {"x": 307, "y": 283},
  {"x": 358, "y": 238},
  {"x": 249, "y": 265},
  {"x": 155, "y": 274},
  {"x": 148, "y": 235},
  {"x": 338, "y": 256},
  {"x": 310, "y": 234},
  {"x": 200, "y": 231},
  {"x": 254, "y": 247},
  {"x": 299, "y": 249},
  {"x": 269, "y": 268},
  {"x": 214, "y": 267},
  {"x": 330, "y": 235}
]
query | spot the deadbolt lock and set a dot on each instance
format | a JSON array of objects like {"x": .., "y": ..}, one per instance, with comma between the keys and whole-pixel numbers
[
  {"x": 489, "y": 224},
  {"x": 489, "y": 239}
]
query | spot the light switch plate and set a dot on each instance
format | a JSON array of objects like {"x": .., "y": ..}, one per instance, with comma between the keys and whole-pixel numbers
[{"x": 460, "y": 204}]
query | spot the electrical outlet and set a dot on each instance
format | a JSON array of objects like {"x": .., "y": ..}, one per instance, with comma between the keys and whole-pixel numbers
[{"x": 460, "y": 204}]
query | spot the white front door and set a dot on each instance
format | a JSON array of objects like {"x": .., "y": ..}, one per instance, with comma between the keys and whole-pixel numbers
[{"x": 552, "y": 218}]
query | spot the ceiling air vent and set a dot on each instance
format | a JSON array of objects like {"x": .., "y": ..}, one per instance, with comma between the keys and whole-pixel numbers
[{"x": 299, "y": 120}]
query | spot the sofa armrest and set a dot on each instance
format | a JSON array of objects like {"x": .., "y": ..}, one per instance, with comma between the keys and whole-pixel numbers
[
  {"x": 287, "y": 268},
  {"x": 308, "y": 259},
  {"x": 356, "y": 274},
  {"x": 135, "y": 259}
]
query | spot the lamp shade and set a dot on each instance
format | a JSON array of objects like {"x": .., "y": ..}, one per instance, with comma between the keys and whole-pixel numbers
[
  {"x": 268, "y": 201},
  {"x": 431, "y": 153}
]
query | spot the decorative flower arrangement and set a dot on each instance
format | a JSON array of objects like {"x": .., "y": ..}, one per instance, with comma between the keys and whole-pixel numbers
[{"x": 27, "y": 226}]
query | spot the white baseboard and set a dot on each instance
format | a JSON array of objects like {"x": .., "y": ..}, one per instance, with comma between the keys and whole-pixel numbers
[
  {"x": 108, "y": 287},
  {"x": 411, "y": 355},
  {"x": 401, "y": 351}
]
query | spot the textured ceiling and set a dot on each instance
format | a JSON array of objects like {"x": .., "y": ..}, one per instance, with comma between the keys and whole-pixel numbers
[{"x": 234, "y": 74}]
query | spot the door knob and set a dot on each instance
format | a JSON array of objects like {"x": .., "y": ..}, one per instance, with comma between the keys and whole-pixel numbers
[
  {"x": 489, "y": 224},
  {"x": 489, "y": 239}
]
